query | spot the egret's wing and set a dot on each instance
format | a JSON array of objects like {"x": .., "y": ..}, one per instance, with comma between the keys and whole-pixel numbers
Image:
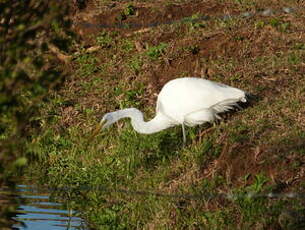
[
  {"x": 209, "y": 114},
  {"x": 199, "y": 117}
]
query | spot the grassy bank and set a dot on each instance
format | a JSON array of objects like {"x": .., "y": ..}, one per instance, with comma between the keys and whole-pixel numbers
[{"x": 124, "y": 180}]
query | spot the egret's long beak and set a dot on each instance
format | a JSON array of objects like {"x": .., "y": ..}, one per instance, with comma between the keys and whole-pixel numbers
[{"x": 97, "y": 130}]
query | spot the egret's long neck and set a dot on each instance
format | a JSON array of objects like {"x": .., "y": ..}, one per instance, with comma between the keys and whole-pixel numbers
[{"x": 158, "y": 123}]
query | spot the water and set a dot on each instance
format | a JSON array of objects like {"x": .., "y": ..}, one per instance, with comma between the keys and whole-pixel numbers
[{"x": 36, "y": 211}]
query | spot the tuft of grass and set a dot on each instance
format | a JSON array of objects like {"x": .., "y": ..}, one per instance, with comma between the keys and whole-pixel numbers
[
  {"x": 128, "y": 11},
  {"x": 155, "y": 52},
  {"x": 276, "y": 23},
  {"x": 87, "y": 64},
  {"x": 105, "y": 39},
  {"x": 127, "y": 45},
  {"x": 135, "y": 64}
]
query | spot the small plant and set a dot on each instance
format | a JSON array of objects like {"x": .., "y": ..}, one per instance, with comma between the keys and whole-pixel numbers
[
  {"x": 274, "y": 22},
  {"x": 135, "y": 64},
  {"x": 236, "y": 77},
  {"x": 104, "y": 40},
  {"x": 251, "y": 204},
  {"x": 194, "y": 49},
  {"x": 155, "y": 52},
  {"x": 87, "y": 64},
  {"x": 128, "y": 11},
  {"x": 239, "y": 38},
  {"x": 127, "y": 45},
  {"x": 299, "y": 46},
  {"x": 294, "y": 59},
  {"x": 284, "y": 26},
  {"x": 259, "y": 24},
  {"x": 131, "y": 96},
  {"x": 279, "y": 25},
  {"x": 195, "y": 22}
]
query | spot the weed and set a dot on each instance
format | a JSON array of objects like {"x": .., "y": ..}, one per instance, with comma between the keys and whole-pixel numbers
[
  {"x": 195, "y": 22},
  {"x": 206, "y": 147},
  {"x": 284, "y": 26},
  {"x": 299, "y": 46},
  {"x": 275, "y": 22},
  {"x": 130, "y": 98},
  {"x": 251, "y": 205},
  {"x": 294, "y": 59},
  {"x": 240, "y": 133},
  {"x": 109, "y": 216},
  {"x": 87, "y": 64},
  {"x": 259, "y": 24},
  {"x": 239, "y": 38},
  {"x": 236, "y": 77},
  {"x": 155, "y": 52},
  {"x": 135, "y": 64},
  {"x": 105, "y": 39},
  {"x": 228, "y": 22},
  {"x": 127, "y": 45},
  {"x": 194, "y": 49},
  {"x": 280, "y": 25},
  {"x": 245, "y": 3},
  {"x": 128, "y": 11}
]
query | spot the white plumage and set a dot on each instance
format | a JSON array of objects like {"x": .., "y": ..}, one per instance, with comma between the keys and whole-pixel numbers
[{"x": 183, "y": 101}]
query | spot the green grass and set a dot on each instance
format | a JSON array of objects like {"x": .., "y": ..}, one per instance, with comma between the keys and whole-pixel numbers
[
  {"x": 105, "y": 39},
  {"x": 87, "y": 63},
  {"x": 124, "y": 180},
  {"x": 155, "y": 52}
]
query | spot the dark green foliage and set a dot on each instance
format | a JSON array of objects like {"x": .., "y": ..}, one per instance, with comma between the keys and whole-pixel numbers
[{"x": 28, "y": 70}]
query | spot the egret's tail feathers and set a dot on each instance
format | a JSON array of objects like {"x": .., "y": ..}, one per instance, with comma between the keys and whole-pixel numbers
[{"x": 227, "y": 105}]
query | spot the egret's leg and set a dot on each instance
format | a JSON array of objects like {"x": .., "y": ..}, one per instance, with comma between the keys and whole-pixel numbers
[{"x": 183, "y": 132}]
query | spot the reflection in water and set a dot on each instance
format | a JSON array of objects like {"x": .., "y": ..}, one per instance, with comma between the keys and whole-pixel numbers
[{"x": 37, "y": 212}]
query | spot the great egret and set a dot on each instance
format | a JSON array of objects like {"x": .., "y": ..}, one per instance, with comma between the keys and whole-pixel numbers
[{"x": 186, "y": 101}]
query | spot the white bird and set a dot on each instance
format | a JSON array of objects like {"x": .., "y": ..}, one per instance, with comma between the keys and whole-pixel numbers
[{"x": 186, "y": 101}]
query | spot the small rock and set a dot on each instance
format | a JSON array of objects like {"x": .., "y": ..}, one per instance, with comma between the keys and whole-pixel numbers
[
  {"x": 288, "y": 10},
  {"x": 93, "y": 49},
  {"x": 267, "y": 12},
  {"x": 227, "y": 17},
  {"x": 247, "y": 14}
]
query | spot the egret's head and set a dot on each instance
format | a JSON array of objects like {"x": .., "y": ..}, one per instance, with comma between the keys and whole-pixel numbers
[{"x": 107, "y": 120}]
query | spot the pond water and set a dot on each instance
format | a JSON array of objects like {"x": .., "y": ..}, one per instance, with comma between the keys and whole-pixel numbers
[{"x": 37, "y": 211}]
